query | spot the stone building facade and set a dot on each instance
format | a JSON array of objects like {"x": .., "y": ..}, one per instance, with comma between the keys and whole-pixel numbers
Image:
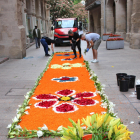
[
  {"x": 17, "y": 19},
  {"x": 116, "y": 16}
]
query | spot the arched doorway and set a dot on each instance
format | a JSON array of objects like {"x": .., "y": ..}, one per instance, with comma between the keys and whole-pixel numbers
[
  {"x": 114, "y": 15},
  {"x": 99, "y": 22},
  {"x": 110, "y": 16},
  {"x": 91, "y": 24},
  {"x": 121, "y": 17}
]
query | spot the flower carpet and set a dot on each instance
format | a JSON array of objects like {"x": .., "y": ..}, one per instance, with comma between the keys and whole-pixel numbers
[{"x": 66, "y": 89}]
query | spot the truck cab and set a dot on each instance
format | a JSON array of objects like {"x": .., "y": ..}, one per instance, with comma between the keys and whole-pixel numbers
[{"x": 62, "y": 26}]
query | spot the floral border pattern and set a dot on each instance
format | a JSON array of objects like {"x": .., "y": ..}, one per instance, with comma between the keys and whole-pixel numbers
[{"x": 15, "y": 130}]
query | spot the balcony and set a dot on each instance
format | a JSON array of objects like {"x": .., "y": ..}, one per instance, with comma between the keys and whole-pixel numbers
[{"x": 90, "y": 4}]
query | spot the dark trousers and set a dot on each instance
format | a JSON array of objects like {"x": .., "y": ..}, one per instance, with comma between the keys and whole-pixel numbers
[
  {"x": 37, "y": 41},
  {"x": 78, "y": 46},
  {"x": 45, "y": 45}
]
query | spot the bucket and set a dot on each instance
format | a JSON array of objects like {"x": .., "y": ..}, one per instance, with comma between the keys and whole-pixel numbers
[
  {"x": 124, "y": 85},
  {"x": 119, "y": 78},
  {"x": 138, "y": 91},
  {"x": 132, "y": 80},
  {"x": 120, "y": 75}
]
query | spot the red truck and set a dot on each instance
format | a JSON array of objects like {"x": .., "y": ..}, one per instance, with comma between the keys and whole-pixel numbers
[{"x": 62, "y": 26}]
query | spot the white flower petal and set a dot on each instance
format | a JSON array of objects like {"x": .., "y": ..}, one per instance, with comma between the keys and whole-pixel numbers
[
  {"x": 91, "y": 113},
  {"x": 60, "y": 128},
  {"x": 84, "y": 127},
  {"x": 17, "y": 127},
  {"x": 15, "y": 119},
  {"x": 39, "y": 133},
  {"x": 18, "y": 116},
  {"x": 44, "y": 127},
  {"x": 28, "y": 107},
  {"x": 26, "y": 112},
  {"x": 131, "y": 122},
  {"x": 9, "y": 125},
  {"x": 27, "y": 96}
]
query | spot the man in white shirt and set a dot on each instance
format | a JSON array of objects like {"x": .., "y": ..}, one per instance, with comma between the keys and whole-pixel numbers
[{"x": 93, "y": 41}]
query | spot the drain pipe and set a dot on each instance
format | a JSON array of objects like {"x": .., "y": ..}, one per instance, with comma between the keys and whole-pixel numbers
[{"x": 105, "y": 16}]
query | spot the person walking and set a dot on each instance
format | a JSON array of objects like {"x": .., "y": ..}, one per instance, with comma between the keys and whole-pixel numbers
[
  {"x": 37, "y": 36},
  {"x": 75, "y": 41},
  {"x": 45, "y": 41},
  {"x": 93, "y": 41}
]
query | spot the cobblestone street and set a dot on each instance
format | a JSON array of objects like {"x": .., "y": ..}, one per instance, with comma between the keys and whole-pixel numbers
[{"x": 17, "y": 77}]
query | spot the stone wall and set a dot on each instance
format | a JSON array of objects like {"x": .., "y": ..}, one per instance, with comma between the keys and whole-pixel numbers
[
  {"x": 12, "y": 31},
  {"x": 17, "y": 17},
  {"x": 135, "y": 26},
  {"x": 95, "y": 23},
  {"x": 117, "y": 16}
]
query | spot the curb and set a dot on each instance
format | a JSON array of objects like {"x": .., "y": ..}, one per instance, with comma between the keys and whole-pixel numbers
[{"x": 4, "y": 60}]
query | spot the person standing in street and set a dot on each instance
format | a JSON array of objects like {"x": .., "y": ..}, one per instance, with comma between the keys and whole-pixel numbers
[
  {"x": 75, "y": 41},
  {"x": 45, "y": 41},
  {"x": 93, "y": 41},
  {"x": 37, "y": 36}
]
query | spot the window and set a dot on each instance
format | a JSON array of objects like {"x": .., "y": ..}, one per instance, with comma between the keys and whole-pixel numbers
[{"x": 65, "y": 23}]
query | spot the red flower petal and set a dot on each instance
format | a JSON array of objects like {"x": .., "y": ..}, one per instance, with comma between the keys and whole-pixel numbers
[
  {"x": 65, "y": 92},
  {"x": 66, "y": 54},
  {"x": 67, "y": 59},
  {"x": 65, "y": 108},
  {"x": 46, "y": 96},
  {"x": 65, "y": 78},
  {"x": 85, "y": 94},
  {"x": 46, "y": 104},
  {"x": 83, "y": 101}
]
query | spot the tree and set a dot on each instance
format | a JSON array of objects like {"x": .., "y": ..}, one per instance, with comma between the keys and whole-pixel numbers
[
  {"x": 80, "y": 12},
  {"x": 67, "y": 9},
  {"x": 77, "y": 1},
  {"x": 61, "y": 8}
]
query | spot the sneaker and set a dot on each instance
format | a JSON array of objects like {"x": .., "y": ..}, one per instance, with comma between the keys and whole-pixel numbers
[
  {"x": 94, "y": 61},
  {"x": 47, "y": 55},
  {"x": 80, "y": 56}
]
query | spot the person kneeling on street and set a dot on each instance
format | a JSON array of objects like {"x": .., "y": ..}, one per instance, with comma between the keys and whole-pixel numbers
[
  {"x": 74, "y": 41},
  {"x": 93, "y": 41},
  {"x": 45, "y": 41}
]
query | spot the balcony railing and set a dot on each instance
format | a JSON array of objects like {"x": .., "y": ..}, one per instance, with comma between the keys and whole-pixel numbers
[
  {"x": 92, "y": 3},
  {"x": 88, "y": 2}
]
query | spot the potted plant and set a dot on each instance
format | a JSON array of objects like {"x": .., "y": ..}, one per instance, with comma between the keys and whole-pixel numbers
[
  {"x": 96, "y": 127},
  {"x": 115, "y": 43},
  {"x": 114, "y": 36},
  {"x": 105, "y": 36}
]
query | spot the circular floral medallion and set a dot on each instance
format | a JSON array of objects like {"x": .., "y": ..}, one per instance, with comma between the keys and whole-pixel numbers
[
  {"x": 65, "y": 79},
  {"x": 49, "y": 100}
]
